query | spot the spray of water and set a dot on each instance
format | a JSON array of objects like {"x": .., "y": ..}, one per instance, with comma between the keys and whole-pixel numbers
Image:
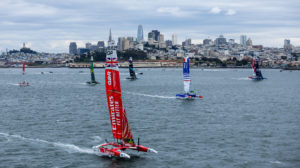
[
  {"x": 155, "y": 96},
  {"x": 67, "y": 147}
]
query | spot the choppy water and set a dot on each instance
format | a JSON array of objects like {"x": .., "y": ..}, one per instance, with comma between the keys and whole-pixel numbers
[{"x": 239, "y": 123}]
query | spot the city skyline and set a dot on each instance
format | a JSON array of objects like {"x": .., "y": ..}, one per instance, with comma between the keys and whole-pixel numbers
[{"x": 51, "y": 26}]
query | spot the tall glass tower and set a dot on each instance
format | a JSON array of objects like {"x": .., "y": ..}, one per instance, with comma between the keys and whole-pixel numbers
[{"x": 140, "y": 34}]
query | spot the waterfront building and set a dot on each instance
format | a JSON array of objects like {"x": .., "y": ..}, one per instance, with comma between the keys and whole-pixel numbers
[
  {"x": 221, "y": 40},
  {"x": 88, "y": 45},
  {"x": 101, "y": 44},
  {"x": 131, "y": 39},
  {"x": 161, "y": 38},
  {"x": 73, "y": 48},
  {"x": 286, "y": 42},
  {"x": 140, "y": 34},
  {"x": 94, "y": 47},
  {"x": 231, "y": 41},
  {"x": 287, "y": 45},
  {"x": 154, "y": 34},
  {"x": 125, "y": 44},
  {"x": 150, "y": 37},
  {"x": 187, "y": 42},
  {"x": 82, "y": 50},
  {"x": 249, "y": 42},
  {"x": 119, "y": 44},
  {"x": 243, "y": 39},
  {"x": 169, "y": 43},
  {"x": 139, "y": 46},
  {"x": 174, "y": 39},
  {"x": 162, "y": 43},
  {"x": 150, "y": 41},
  {"x": 207, "y": 42}
]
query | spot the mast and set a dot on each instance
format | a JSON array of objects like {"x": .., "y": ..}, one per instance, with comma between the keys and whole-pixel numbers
[
  {"x": 186, "y": 74},
  {"x": 118, "y": 118},
  {"x": 113, "y": 90},
  {"x": 131, "y": 70},
  {"x": 92, "y": 70}
]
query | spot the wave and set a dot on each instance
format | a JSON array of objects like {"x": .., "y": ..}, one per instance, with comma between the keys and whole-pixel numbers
[
  {"x": 154, "y": 96},
  {"x": 276, "y": 162},
  {"x": 67, "y": 147},
  {"x": 215, "y": 70}
]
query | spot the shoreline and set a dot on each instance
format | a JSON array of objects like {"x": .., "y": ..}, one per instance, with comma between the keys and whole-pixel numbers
[
  {"x": 144, "y": 65},
  {"x": 168, "y": 67}
]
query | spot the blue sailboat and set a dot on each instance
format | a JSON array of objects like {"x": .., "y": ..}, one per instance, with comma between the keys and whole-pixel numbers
[
  {"x": 131, "y": 70},
  {"x": 189, "y": 94}
]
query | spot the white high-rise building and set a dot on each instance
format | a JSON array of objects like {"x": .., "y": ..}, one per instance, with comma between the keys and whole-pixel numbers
[
  {"x": 161, "y": 38},
  {"x": 243, "y": 40},
  {"x": 174, "y": 39}
]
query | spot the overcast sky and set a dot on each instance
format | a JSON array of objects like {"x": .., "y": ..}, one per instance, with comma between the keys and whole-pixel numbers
[{"x": 49, "y": 26}]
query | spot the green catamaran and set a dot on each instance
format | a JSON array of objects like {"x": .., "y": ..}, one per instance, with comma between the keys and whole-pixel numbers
[{"x": 93, "y": 80}]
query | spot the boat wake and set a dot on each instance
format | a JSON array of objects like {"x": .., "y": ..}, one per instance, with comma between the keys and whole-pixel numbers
[
  {"x": 14, "y": 84},
  {"x": 66, "y": 147},
  {"x": 154, "y": 96},
  {"x": 243, "y": 78}
]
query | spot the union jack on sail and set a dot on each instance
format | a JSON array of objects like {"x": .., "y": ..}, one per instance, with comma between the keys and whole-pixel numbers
[{"x": 111, "y": 62}]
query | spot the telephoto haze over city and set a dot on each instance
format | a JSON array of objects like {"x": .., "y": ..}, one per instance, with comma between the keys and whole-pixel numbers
[{"x": 139, "y": 83}]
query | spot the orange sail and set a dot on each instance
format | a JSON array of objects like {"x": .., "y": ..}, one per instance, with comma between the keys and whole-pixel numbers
[
  {"x": 118, "y": 118},
  {"x": 127, "y": 135}
]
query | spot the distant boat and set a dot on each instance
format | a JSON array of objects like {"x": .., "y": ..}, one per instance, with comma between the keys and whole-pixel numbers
[
  {"x": 24, "y": 83},
  {"x": 118, "y": 118},
  {"x": 187, "y": 82},
  {"x": 131, "y": 70},
  {"x": 257, "y": 75},
  {"x": 93, "y": 81}
]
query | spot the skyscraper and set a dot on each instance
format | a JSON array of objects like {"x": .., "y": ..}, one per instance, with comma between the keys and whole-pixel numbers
[
  {"x": 101, "y": 44},
  {"x": 125, "y": 44},
  {"x": 73, "y": 48},
  {"x": 174, "y": 39},
  {"x": 287, "y": 45},
  {"x": 161, "y": 38},
  {"x": 221, "y": 40},
  {"x": 168, "y": 43},
  {"x": 231, "y": 41},
  {"x": 287, "y": 42},
  {"x": 88, "y": 45},
  {"x": 140, "y": 34},
  {"x": 154, "y": 34},
  {"x": 151, "y": 35},
  {"x": 207, "y": 42},
  {"x": 243, "y": 40},
  {"x": 187, "y": 42},
  {"x": 109, "y": 38}
]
